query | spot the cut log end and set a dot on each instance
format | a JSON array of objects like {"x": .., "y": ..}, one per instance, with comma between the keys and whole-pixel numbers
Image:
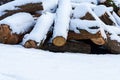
[
  {"x": 118, "y": 12},
  {"x": 30, "y": 44},
  {"x": 59, "y": 41},
  {"x": 7, "y": 37},
  {"x": 98, "y": 41}
]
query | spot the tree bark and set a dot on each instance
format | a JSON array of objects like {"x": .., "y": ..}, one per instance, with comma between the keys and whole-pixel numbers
[
  {"x": 82, "y": 35},
  {"x": 105, "y": 18}
]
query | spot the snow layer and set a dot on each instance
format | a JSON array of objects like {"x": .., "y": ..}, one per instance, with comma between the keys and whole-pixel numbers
[
  {"x": 50, "y": 6},
  {"x": 41, "y": 28},
  {"x": 77, "y": 24},
  {"x": 100, "y": 10},
  {"x": 19, "y": 22},
  {"x": 18, "y": 63},
  {"x": 12, "y": 5},
  {"x": 82, "y": 9},
  {"x": 81, "y": 1},
  {"x": 117, "y": 18},
  {"x": 62, "y": 19},
  {"x": 117, "y": 2}
]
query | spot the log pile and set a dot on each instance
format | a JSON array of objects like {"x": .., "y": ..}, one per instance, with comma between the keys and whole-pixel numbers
[{"x": 62, "y": 28}]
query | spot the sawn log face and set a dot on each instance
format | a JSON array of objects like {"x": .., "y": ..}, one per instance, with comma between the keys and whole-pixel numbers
[{"x": 7, "y": 37}]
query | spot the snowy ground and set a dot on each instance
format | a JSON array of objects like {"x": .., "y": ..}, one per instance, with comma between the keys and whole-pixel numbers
[{"x": 18, "y": 63}]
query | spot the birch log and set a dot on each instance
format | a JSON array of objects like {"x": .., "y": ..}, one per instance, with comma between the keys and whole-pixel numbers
[
  {"x": 62, "y": 20},
  {"x": 39, "y": 33}
]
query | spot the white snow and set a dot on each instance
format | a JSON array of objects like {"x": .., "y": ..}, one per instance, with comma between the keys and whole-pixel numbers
[
  {"x": 81, "y": 1},
  {"x": 100, "y": 10},
  {"x": 114, "y": 31},
  {"x": 18, "y": 63},
  {"x": 19, "y": 22},
  {"x": 41, "y": 28},
  {"x": 77, "y": 24},
  {"x": 117, "y": 3},
  {"x": 49, "y": 6},
  {"x": 82, "y": 9},
  {"x": 62, "y": 19},
  {"x": 117, "y": 18}
]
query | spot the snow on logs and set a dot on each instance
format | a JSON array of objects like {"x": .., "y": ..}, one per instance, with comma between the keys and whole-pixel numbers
[
  {"x": 16, "y": 6},
  {"x": 91, "y": 30},
  {"x": 13, "y": 28},
  {"x": 62, "y": 21},
  {"x": 105, "y": 15},
  {"x": 39, "y": 33},
  {"x": 81, "y": 17}
]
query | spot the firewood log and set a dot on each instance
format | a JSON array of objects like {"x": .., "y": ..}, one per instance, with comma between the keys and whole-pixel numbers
[
  {"x": 39, "y": 33},
  {"x": 61, "y": 27},
  {"x": 17, "y": 6},
  {"x": 12, "y": 29},
  {"x": 30, "y": 44},
  {"x": 82, "y": 35},
  {"x": 70, "y": 46},
  {"x": 95, "y": 38},
  {"x": 112, "y": 45},
  {"x": 7, "y": 37}
]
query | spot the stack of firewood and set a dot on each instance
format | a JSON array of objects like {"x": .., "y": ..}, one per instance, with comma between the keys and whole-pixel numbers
[{"x": 59, "y": 28}]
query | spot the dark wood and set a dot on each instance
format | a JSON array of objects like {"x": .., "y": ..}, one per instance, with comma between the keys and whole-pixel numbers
[
  {"x": 105, "y": 18},
  {"x": 112, "y": 45},
  {"x": 88, "y": 16},
  {"x": 70, "y": 46}
]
